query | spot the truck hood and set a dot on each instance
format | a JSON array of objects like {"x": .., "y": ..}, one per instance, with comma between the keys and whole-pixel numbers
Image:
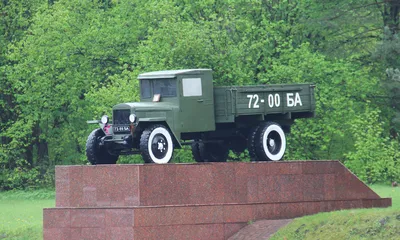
[{"x": 146, "y": 106}]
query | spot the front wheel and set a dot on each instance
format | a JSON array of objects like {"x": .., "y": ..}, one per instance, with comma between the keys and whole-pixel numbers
[
  {"x": 95, "y": 153},
  {"x": 156, "y": 144},
  {"x": 270, "y": 142}
]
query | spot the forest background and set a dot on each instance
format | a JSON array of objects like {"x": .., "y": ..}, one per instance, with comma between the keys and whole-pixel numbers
[{"x": 67, "y": 61}]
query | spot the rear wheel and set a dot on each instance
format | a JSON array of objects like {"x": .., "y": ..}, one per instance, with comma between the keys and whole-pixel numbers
[
  {"x": 251, "y": 143},
  {"x": 156, "y": 145},
  {"x": 196, "y": 152},
  {"x": 270, "y": 142},
  {"x": 95, "y": 153},
  {"x": 209, "y": 152}
]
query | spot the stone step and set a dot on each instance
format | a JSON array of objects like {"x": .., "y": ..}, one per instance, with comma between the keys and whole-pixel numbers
[
  {"x": 208, "y": 183},
  {"x": 218, "y": 221}
]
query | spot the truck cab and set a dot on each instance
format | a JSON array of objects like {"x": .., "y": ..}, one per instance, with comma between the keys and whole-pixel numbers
[
  {"x": 190, "y": 92},
  {"x": 178, "y": 101}
]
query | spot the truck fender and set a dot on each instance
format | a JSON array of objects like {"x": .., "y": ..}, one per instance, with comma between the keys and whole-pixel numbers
[
  {"x": 160, "y": 120},
  {"x": 104, "y": 127}
]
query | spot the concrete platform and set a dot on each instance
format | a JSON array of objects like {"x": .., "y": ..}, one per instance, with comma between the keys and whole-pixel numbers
[{"x": 196, "y": 201}]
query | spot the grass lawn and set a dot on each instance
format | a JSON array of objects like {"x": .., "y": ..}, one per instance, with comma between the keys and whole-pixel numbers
[
  {"x": 21, "y": 213},
  {"x": 376, "y": 223}
]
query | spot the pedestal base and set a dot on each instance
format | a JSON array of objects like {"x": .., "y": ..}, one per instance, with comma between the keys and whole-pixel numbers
[{"x": 195, "y": 201}]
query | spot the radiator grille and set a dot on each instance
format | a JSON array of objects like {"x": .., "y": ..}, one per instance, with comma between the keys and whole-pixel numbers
[{"x": 121, "y": 116}]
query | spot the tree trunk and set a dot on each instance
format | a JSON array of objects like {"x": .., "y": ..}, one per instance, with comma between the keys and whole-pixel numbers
[
  {"x": 391, "y": 15},
  {"x": 29, "y": 154},
  {"x": 42, "y": 150}
]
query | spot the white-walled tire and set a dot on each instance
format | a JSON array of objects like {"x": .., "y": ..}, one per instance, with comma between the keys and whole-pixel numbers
[
  {"x": 271, "y": 142},
  {"x": 156, "y": 145}
]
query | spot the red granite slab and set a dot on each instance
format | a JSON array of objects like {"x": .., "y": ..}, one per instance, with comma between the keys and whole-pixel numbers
[
  {"x": 179, "y": 222},
  {"x": 281, "y": 168},
  {"x": 184, "y": 232},
  {"x": 56, "y": 233},
  {"x": 208, "y": 214},
  {"x": 231, "y": 228},
  {"x": 76, "y": 184},
  {"x": 376, "y": 203},
  {"x": 329, "y": 187},
  {"x": 320, "y": 167},
  {"x": 119, "y": 218},
  {"x": 265, "y": 211},
  {"x": 88, "y": 218},
  {"x": 289, "y": 210},
  {"x": 93, "y": 233},
  {"x": 239, "y": 213},
  {"x": 195, "y": 201},
  {"x": 313, "y": 186},
  {"x": 209, "y": 183},
  {"x": 310, "y": 208},
  {"x": 62, "y": 186},
  {"x": 58, "y": 218},
  {"x": 175, "y": 215},
  {"x": 119, "y": 233},
  {"x": 348, "y": 186},
  {"x": 111, "y": 185}
]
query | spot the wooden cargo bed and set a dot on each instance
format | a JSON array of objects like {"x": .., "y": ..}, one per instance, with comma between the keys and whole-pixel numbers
[{"x": 263, "y": 100}]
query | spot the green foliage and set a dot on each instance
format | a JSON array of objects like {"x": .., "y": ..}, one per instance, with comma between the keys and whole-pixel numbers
[
  {"x": 65, "y": 62},
  {"x": 387, "y": 53},
  {"x": 328, "y": 135},
  {"x": 183, "y": 155},
  {"x": 37, "y": 194},
  {"x": 26, "y": 177},
  {"x": 375, "y": 158}
]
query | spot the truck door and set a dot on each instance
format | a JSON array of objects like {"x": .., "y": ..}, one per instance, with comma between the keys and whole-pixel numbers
[{"x": 197, "y": 103}]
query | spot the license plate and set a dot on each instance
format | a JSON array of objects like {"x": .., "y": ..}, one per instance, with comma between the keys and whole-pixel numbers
[{"x": 121, "y": 129}]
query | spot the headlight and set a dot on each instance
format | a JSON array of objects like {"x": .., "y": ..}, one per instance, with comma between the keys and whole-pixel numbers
[
  {"x": 132, "y": 118},
  {"x": 104, "y": 119}
]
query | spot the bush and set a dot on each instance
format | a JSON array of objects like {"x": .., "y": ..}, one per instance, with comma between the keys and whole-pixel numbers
[
  {"x": 25, "y": 177},
  {"x": 375, "y": 158}
]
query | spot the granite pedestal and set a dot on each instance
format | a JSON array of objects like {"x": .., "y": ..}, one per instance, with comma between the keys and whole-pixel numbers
[{"x": 195, "y": 201}]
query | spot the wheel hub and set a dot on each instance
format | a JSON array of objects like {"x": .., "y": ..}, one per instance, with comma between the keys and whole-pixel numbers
[
  {"x": 274, "y": 142},
  {"x": 271, "y": 145},
  {"x": 159, "y": 146}
]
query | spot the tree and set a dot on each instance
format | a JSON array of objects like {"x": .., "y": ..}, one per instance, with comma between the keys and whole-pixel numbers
[
  {"x": 65, "y": 62},
  {"x": 328, "y": 135}
]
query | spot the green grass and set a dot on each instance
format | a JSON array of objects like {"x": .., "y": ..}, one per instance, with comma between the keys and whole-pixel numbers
[
  {"x": 21, "y": 213},
  {"x": 376, "y": 223},
  {"x": 386, "y": 191}
]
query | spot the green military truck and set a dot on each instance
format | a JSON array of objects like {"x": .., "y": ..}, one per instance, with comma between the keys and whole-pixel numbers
[{"x": 182, "y": 107}]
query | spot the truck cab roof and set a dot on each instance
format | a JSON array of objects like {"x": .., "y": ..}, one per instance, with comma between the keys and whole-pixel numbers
[{"x": 171, "y": 73}]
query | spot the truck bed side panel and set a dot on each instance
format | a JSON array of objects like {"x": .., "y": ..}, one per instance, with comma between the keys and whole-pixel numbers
[{"x": 231, "y": 102}]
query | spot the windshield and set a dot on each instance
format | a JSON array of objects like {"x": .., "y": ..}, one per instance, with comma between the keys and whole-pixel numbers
[{"x": 164, "y": 87}]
